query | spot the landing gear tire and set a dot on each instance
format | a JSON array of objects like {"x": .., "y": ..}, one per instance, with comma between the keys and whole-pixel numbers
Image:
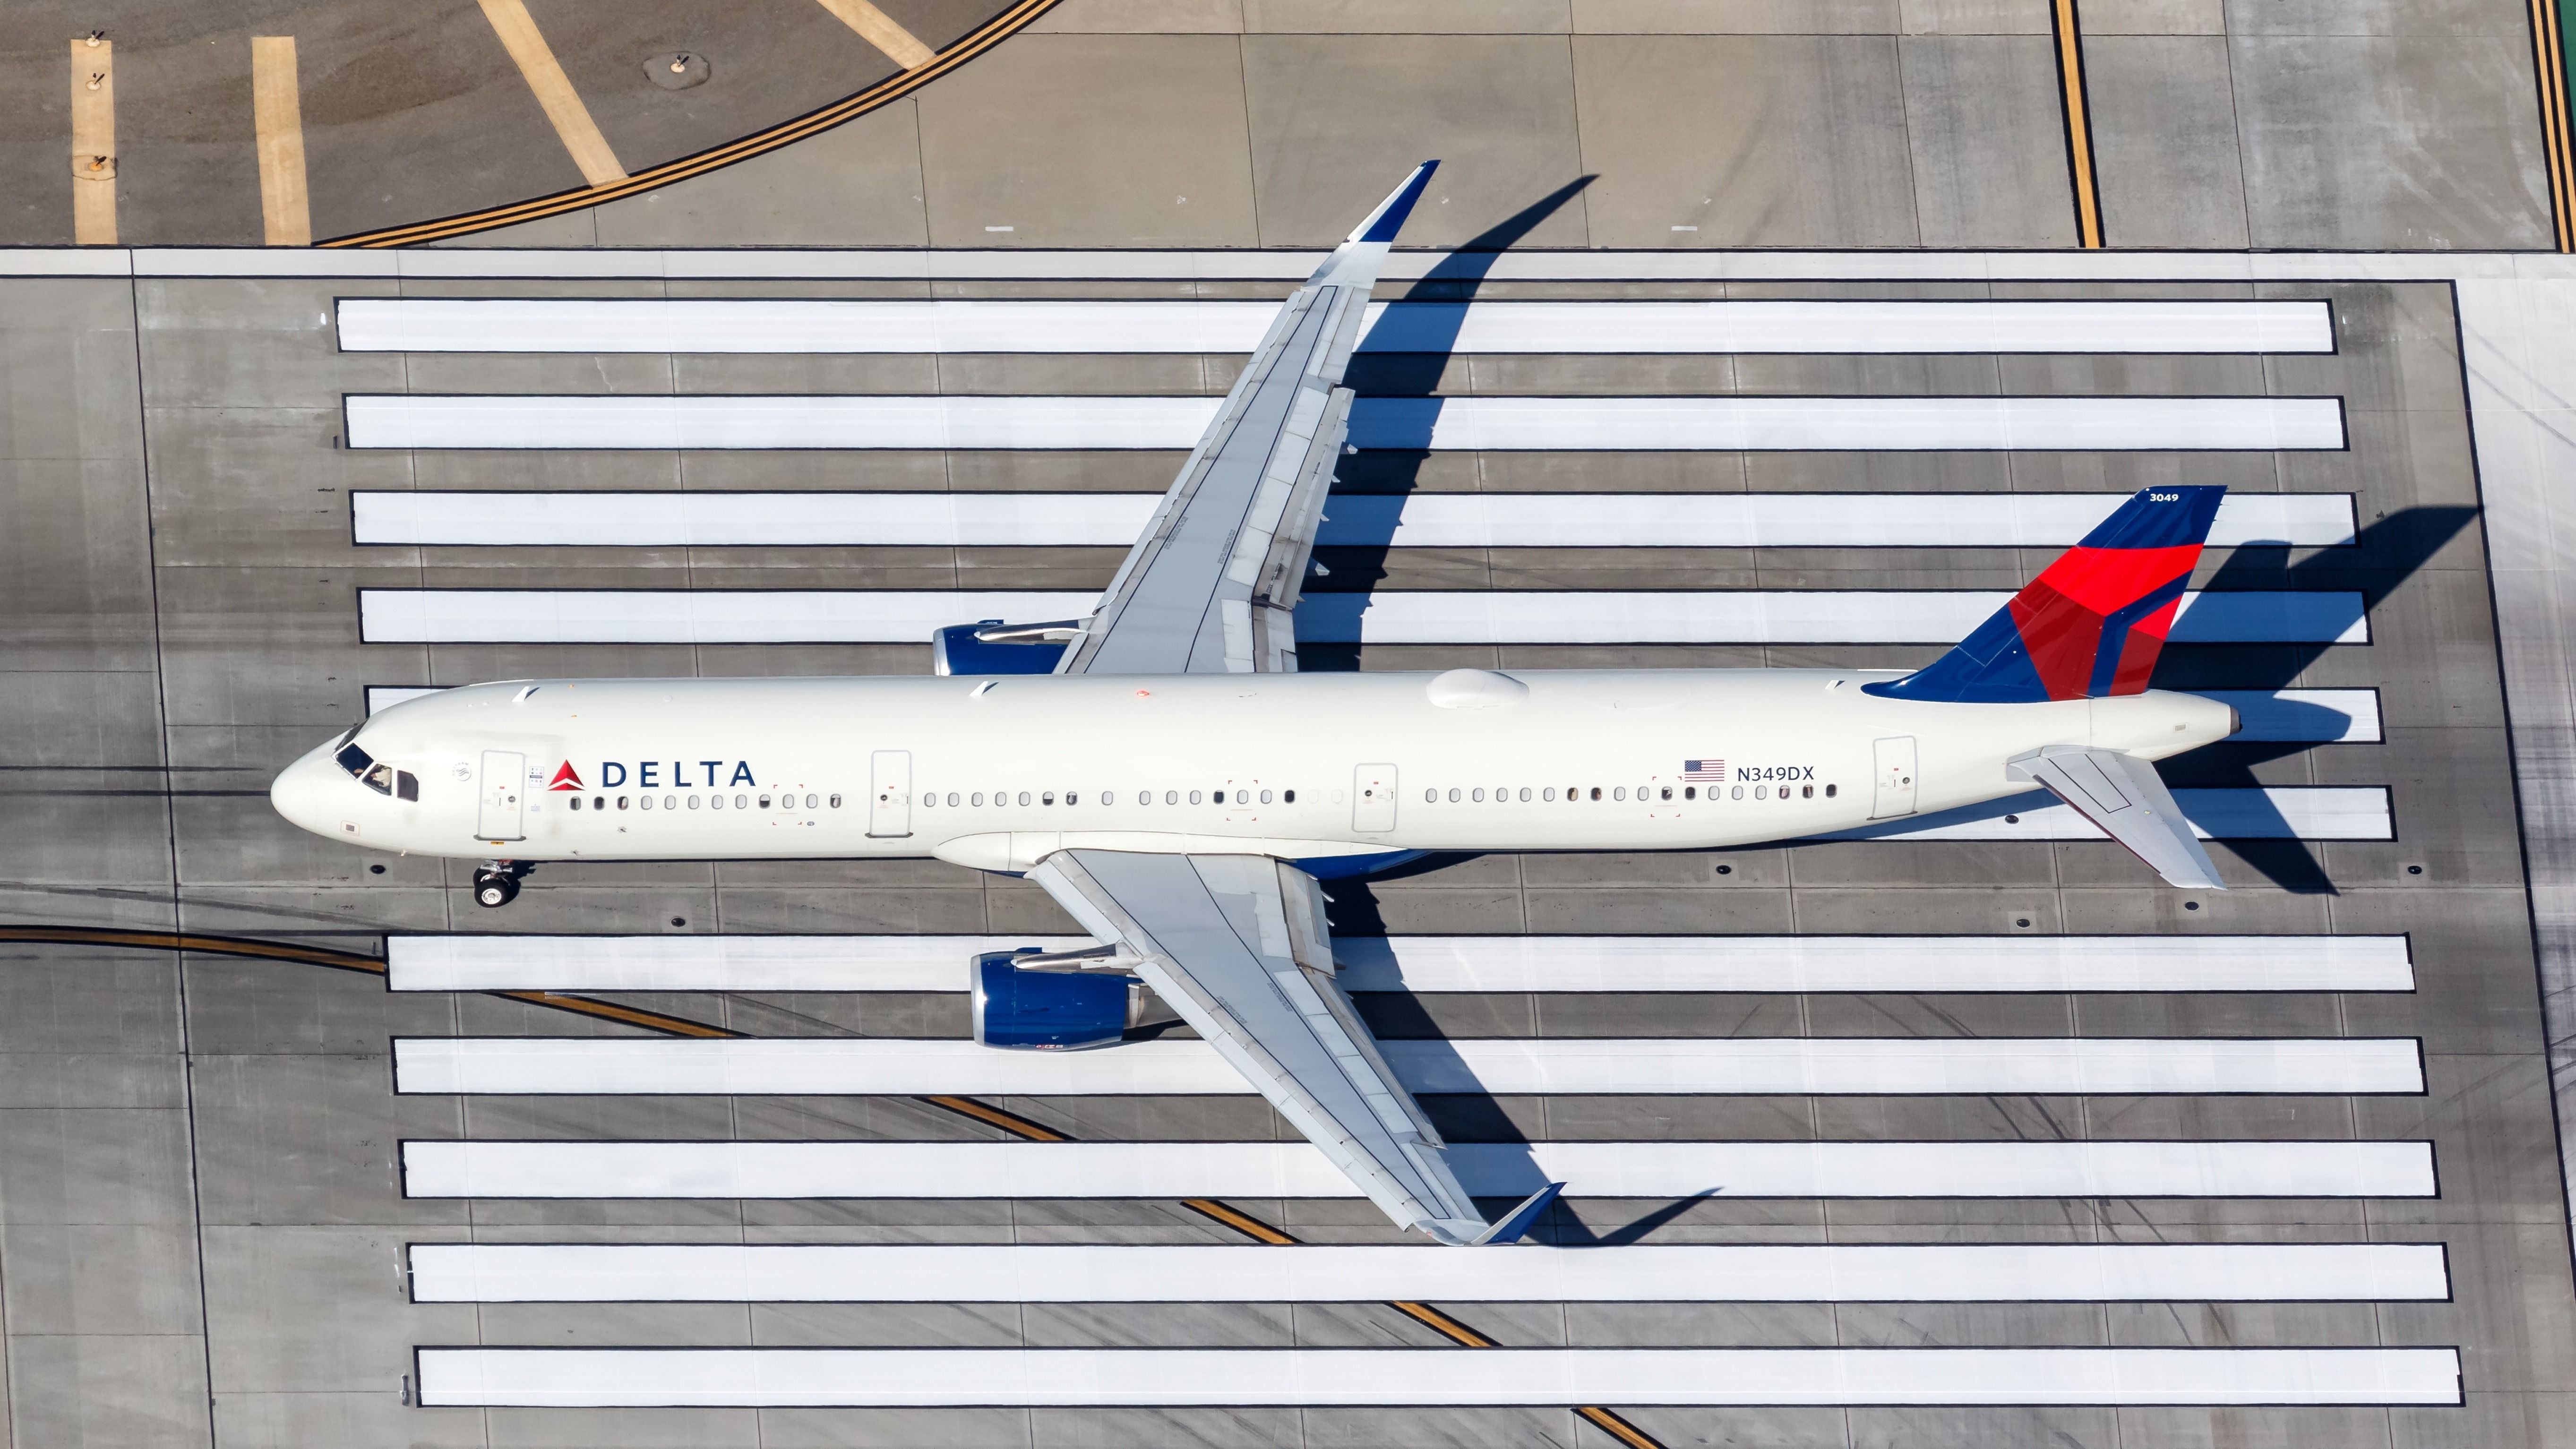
[{"x": 493, "y": 890}]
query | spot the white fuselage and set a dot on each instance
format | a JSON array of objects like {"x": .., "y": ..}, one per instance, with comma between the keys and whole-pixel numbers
[{"x": 997, "y": 773}]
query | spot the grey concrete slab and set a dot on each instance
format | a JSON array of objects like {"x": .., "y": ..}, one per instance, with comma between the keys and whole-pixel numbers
[
  {"x": 2166, "y": 152},
  {"x": 1804, "y": 140},
  {"x": 858, "y": 184},
  {"x": 1989, "y": 166},
  {"x": 2358, "y": 140},
  {"x": 1337, "y": 120},
  {"x": 1171, "y": 108}
]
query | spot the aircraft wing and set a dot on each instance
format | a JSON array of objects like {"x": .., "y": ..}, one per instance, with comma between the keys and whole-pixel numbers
[
  {"x": 1210, "y": 586},
  {"x": 1237, "y": 945},
  {"x": 2126, "y": 797}
]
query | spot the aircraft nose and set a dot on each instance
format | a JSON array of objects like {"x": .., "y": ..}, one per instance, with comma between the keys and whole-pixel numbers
[{"x": 298, "y": 793}]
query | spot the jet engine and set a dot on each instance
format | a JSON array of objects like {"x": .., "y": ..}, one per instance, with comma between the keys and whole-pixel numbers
[
  {"x": 993, "y": 647},
  {"x": 1067, "y": 1004}
]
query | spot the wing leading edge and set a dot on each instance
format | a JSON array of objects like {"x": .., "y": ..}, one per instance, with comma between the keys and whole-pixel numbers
[
  {"x": 1210, "y": 587},
  {"x": 1237, "y": 945}
]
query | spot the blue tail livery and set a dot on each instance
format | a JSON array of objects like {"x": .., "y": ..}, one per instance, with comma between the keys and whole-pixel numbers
[{"x": 2092, "y": 624}]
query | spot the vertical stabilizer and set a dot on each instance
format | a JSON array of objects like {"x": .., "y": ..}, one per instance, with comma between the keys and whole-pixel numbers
[{"x": 2092, "y": 624}]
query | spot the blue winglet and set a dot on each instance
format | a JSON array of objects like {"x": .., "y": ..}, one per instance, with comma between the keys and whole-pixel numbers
[
  {"x": 1520, "y": 1219},
  {"x": 1388, "y": 219}
]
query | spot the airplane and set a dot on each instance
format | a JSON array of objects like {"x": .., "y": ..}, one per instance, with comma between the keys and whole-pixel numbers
[{"x": 1165, "y": 773}]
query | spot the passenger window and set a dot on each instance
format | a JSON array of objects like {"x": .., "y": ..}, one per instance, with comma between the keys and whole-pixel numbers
[
  {"x": 1288, "y": 799},
  {"x": 742, "y": 802},
  {"x": 715, "y": 802},
  {"x": 930, "y": 799},
  {"x": 836, "y": 801},
  {"x": 1072, "y": 799},
  {"x": 406, "y": 785},
  {"x": 1737, "y": 793},
  {"x": 1194, "y": 797},
  {"x": 621, "y": 802},
  {"x": 644, "y": 802},
  {"x": 1047, "y": 799},
  {"x": 1525, "y": 794},
  {"x": 1551, "y": 793},
  {"x": 764, "y": 802},
  {"x": 977, "y": 799},
  {"x": 1144, "y": 797},
  {"x": 1829, "y": 792},
  {"x": 1265, "y": 797},
  {"x": 1453, "y": 795},
  {"x": 693, "y": 802},
  {"x": 1690, "y": 792},
  {"x": 1668, "y": 793},
  {"x": 1173, "y": 797},
  {"x": 670, "y": 802},
  {"x": 1761, "y": 792},
  {"x": 1596, "y": 792},
  {"x": 809, "y": 802},
  {"x": 574, "y": 802},
  {"x": 1806, "y": 792},
  {"x": 1429, "y": 796},
  {"x": 1024, "y": 797},
  {"x": 1617, "y": 793}
]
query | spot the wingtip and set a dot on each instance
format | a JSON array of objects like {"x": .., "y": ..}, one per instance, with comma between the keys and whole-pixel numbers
[
  {"x": 1520, "y": 1219},
  {"x": 1388, "y": 219}
]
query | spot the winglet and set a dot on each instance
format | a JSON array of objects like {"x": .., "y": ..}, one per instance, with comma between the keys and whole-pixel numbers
[
  {"x": 1520, "y": 1219},
  {"x": 1383, "y": 223}
]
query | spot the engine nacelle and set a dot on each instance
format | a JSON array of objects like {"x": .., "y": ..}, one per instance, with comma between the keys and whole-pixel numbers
[
  {"x": 1052, "y": 1010},
  {"x": 993, "y": 647}
]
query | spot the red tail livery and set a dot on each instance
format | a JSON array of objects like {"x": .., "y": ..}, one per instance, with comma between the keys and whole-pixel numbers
[{"x": 2092, "y": 624}]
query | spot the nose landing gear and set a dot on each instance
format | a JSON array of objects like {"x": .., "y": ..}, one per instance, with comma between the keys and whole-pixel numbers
[{"x": 496, "y": 883}]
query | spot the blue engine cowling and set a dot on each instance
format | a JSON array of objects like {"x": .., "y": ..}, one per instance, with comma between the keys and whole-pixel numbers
[
  {"x": 956, "y": 650},
  {"x": 1051, "y": 1011}
]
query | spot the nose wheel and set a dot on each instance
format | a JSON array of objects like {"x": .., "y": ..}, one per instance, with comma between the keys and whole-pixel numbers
[{"x": 496, "y": 884}]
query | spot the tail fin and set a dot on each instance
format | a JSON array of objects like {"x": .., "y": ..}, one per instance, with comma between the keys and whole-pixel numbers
[{"x": 2092, "y": 624}]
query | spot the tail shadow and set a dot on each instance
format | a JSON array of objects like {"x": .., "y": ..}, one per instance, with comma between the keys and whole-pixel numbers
[{"x": 2384, "y": 554}]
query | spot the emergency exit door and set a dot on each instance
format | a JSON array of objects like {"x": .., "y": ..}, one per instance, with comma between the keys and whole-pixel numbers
[
  {"x": 1895, "y": 792},
  {"x": 505, "y": 788},
  {"x": 1373, "y": 798},
  {"x": 890, "y": 793}
]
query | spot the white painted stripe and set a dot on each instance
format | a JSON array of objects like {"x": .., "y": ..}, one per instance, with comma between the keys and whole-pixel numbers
[
  {"x": 1908, "y": 964},
  {"x": 2321, "y": 716},
  {"x": 1497, "y": 424},
  {"x": 824, "y": 325},
  {"x": 735, "y": 1170},
  {"x": 2293, "y": 812},
  {"x": 386, "y": 696},
  {"x": 1646, "y": 1273},
  {"x": 1421, "y": 520},
  {"x": 2317, "y": 716},
  {"x": 1787, "y": 1066},
  {"x": 936, "y": 1377},
  {"x": 897, "y": 616}
]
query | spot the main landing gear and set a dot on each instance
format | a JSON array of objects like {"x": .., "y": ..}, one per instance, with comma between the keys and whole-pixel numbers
[{"x": 496, "y": 883}]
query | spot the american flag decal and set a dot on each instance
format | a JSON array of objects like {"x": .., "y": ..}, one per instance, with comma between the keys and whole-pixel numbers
[{"x": 1704, "y": 769}]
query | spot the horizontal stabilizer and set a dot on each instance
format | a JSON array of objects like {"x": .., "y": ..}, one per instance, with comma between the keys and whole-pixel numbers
[{"x": 2127, "y": 798}]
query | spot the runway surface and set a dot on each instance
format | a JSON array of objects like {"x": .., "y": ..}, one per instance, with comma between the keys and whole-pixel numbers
[{"x": 1965, "y": 1130}]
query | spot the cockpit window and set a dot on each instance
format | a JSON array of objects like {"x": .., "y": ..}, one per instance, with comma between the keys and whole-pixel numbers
[
  {"x": 406, "y": 785},
  {"x": 356, "y": 761},
  {"x": 380, "y": 779}
]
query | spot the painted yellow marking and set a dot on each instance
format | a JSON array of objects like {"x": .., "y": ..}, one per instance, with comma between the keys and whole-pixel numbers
[
  {"x": 518, "y": 32},
  {"x": 285, "y": 211},
  {"x": 94, "y": 142},
  {"x": 879, "y": 29},
  {"x": 2079, "y": 122},
  {"x": 760, "y": 143},
  {"x": 2548, "y": 40}
]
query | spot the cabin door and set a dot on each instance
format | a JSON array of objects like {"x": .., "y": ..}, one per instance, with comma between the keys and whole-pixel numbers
[
  {"x": 1373, "y": 798},
  {"x": 1895, "y": 791},
  {"x": 505, "y": 788},
  {"x": 890, "y": 793}
]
